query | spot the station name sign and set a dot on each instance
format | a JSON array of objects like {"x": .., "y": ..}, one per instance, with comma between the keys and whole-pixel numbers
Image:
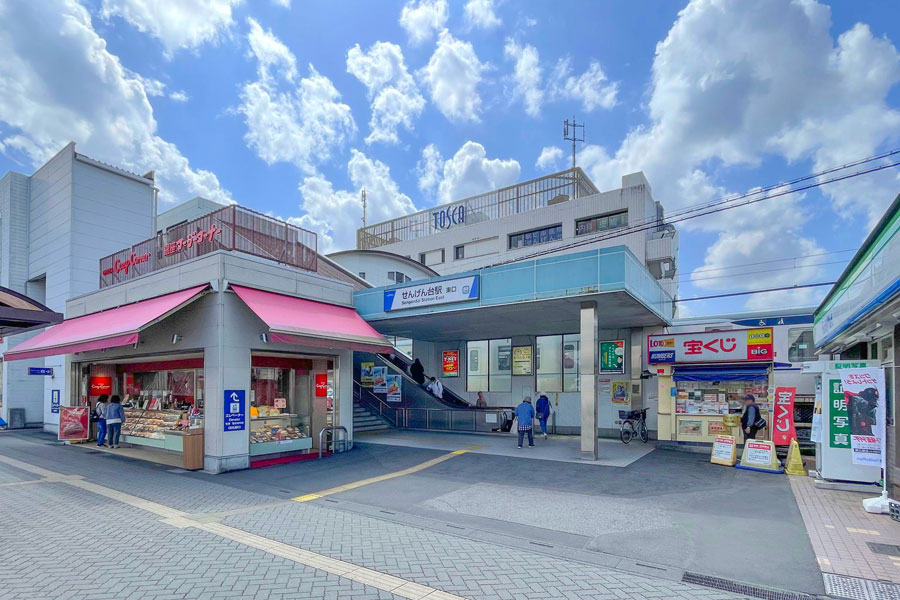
[
  {"x": 432, "y": 294},
  {"x": 734, "y": 345}
]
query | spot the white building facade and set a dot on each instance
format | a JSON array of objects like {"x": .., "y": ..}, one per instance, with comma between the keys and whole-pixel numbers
[{"x": 55, "y": 225}]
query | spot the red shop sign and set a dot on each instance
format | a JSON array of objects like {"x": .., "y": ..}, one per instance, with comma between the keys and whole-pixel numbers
[
  {"x": 189, "y": 241},
  {"x": 125, "y": 265},
  {"x": 321, "y": 385},
  {"x": 783, "y": 428},
  {"x": 100, "y": 385}
]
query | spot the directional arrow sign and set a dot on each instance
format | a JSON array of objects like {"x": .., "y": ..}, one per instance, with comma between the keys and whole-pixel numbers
[{"x": 235, "y": 415}]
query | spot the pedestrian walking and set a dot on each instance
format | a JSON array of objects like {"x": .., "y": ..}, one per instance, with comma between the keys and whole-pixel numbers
[
  {"x": 417, "y": 372},
  {"x": 525, "y": 418},
  {"x": 100, "y": 416},
  {"x": 752, "y": 420},
  {"x": 115, "y": 418},
  {"x": 543, "y": 412},
  {"x": 436, "y": 388},
  {"x": 480, "y": 402}
]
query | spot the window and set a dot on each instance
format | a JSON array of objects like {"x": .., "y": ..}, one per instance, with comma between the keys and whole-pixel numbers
[
  {"x": 601, "y": 223},
  {"x": 477, "y": 366},
  {"x": 362, "y": 274},
  {"x": 549, "y": 363},
  {"x": 800, "y": 344},
  {"x": 422, "y": 257},
  {"x": 571, "y": 362},
  {"x": 398, "y": 277},
  {"x": 535, "y": 236},
  {"x": 459, "y": 252},
  {"x": 489, "y": 366},
  {"x": 500, "y": 379}
]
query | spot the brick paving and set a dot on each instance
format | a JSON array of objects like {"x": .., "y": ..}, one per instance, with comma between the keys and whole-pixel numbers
[
  {"x": 59, "y": 540},
  {"x": 839, "y": 530}
]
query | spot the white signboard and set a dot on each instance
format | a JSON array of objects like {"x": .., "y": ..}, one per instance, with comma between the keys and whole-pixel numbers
[
  {"x": 864, "y": 398},
  {"x": 432, "y": 294},
  {"x": 757, "y": 453},
  {"x": 711, "y": 346}
]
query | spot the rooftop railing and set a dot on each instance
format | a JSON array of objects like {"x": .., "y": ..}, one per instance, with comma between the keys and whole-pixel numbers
[{"x": 515, "y": 199}]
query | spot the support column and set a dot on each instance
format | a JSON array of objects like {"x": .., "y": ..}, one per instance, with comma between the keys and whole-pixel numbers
[{"x": 589, "y": 368}]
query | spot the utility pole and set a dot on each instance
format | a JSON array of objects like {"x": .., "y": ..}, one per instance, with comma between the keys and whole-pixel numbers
[
  {"x": 572, "y": 136},
  {"x": 363, "y": 198}
]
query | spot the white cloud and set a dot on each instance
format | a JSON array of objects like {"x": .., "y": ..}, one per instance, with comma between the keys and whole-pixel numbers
[
  {"x": 300, "y": 122},
  {"x": 480, "y": 13},
  {"x": 179, "y": 96},
  {"x": 335, "y": 215},
  {"x": 470, "y": 172},
  {"x": 549, "y": 158},
  {"x": 429, "y": 168},
  {"x": 422, "y": 18},
  {"x": 395, "y": 98},
  {"x": 452, "y": 75},
  {"x": 282, "y": 3},
  {"x": 592, "y": 88},
  {"x": 182, "y": 24},
  {"x": 106, "y": 112},
  {"x": 527, "y": 75}
]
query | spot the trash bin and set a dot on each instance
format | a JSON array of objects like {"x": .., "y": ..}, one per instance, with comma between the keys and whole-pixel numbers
[{"x": 17, "y": 418}]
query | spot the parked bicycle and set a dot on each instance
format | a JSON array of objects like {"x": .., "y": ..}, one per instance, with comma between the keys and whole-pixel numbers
[{"x": 634, "y": 424}]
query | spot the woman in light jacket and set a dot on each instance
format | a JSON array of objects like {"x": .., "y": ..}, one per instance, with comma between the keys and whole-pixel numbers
[{"x": 115, "y": 418}]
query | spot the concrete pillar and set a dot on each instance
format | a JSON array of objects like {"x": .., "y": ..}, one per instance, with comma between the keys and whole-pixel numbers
[
  {"x": 891, "y": 450},
  {"x": 590, "y": 367}
]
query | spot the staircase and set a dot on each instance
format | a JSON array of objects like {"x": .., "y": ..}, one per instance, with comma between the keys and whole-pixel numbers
[{"x": 365, "y": 421}]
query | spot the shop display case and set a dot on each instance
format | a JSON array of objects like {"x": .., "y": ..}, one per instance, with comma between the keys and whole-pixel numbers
[
  {"x": 149, "y": 427},
  {"x": 278, "y": 432}
]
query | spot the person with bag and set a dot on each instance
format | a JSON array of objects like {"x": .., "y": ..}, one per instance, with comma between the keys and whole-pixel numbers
[
  {"x": 543, "y": 412},
  {"x": 115, "y": 417},
  {"x": 752, "y": 420},
  {"x": 99, "y": 417},
  {"x": 525, "y": 417}
]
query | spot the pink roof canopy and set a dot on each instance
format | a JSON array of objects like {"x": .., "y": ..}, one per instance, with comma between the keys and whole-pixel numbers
[
  {"x": 299, "y": 321},
  {"x": 106, "y": 329}
]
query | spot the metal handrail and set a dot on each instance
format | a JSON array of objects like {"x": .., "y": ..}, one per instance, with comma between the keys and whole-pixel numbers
[{"x": 334, "y": 428}]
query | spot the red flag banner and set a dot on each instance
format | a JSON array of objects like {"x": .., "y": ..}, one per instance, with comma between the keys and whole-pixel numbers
[{"x": 783, "y": 428}]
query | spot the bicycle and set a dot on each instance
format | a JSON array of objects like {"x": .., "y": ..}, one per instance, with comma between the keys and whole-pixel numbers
[{"x": 634, "y": 423}]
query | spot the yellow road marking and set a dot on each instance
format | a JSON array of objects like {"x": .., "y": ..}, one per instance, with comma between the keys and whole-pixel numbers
[{"x": 357, "y": 484}]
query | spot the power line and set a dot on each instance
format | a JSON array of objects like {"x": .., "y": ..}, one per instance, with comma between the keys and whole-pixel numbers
[
  {"x": 776, "y": 260},
  {"x": 749, "y": 292},
  {"x": 835, "y": 262}
]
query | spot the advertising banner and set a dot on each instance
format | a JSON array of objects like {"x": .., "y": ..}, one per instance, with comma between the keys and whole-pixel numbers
[
  {"x": 450, "y": 363},
  {"x": 393, "y": 388},
  {"x": 73, "y": 422},
  {"x": 521, "y": 360},
  {"x": 620, "y": 392},
  {"x": 100, "y": 385},
  {"x": 612, "y": 356},
  {"x": 379, "y": 380},
  {"x": 365, "y": 374},
  {"x": 783, "y": 427},
  {"x": 839, "y": 420},
  {"x": 864, "y": 401},
  {"x": 321, "y": 385},
  {"x": 711, "y": 346},
  {"x": 432, "y": 294}
]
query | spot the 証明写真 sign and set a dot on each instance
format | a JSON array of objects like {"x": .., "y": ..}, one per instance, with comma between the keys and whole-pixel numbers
[
  {"x": 711, "y": 346},
  {"x": 432, "y": 294}
]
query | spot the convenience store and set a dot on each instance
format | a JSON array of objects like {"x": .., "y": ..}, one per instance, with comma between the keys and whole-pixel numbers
[
  {"x": 238, "y": 342},
  {"x": 703, "y": 377}
]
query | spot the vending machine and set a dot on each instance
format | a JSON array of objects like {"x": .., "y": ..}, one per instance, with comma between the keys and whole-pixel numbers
[{"x": 832, "y": 435}]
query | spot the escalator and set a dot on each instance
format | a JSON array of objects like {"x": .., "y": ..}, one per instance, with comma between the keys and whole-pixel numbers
[{"x": 418, "y": 408}]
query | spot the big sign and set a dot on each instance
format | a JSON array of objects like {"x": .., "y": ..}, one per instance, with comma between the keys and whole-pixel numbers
[{"x": 711, "y": 346}]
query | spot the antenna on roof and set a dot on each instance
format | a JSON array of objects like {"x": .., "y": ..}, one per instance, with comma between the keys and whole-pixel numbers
[
  {"x": 570, "y": 133},
  {"x": 363, "y": 198}
]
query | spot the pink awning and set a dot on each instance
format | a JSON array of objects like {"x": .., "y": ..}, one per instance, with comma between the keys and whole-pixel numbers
[
  {"x": 106, "y": 329},
  {"x": 299, "y": 321}
]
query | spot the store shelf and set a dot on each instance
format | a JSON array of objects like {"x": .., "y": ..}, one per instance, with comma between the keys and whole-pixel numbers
[{"x": 257, "y": 449}]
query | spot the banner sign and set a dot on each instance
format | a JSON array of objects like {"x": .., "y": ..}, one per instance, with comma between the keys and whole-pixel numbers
[
  {"x": 450, "y": 363},
  {"x": 54, "y": 401},
  {"x": 100, "y": 385},
  {"x": 322, "y": 385},
  {"x": 73, "y": 422},
  {"x": 394, "y": 383},
  {"x": 712, "y": 346},
  {"x": 235, "y": 410},
  {"x": 839, "y": 420},
  {"x": 365, "y": 374},
  {"x": 379, "y": 380},
  {"x": 864, "y": 401},
  {"x": 612, "y": 356},
  {"x": 432, "y": 294},
  {"x": 521, "y": 360},
  {"x": 783, "y": 427}
]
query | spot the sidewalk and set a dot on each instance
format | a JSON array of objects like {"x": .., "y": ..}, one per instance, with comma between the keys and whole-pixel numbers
[{"x": 841, "y": 533}]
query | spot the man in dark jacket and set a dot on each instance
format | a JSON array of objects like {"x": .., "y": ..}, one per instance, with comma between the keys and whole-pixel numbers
[
  {"x": 751, "y": 418},
  {"x": 417, "y": 372}
]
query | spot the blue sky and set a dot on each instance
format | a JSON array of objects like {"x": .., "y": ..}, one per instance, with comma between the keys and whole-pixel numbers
[{"x": 270, "y": 103}]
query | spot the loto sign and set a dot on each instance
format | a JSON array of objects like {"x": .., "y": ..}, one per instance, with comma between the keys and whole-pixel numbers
[{"x": 712, "y": 346}]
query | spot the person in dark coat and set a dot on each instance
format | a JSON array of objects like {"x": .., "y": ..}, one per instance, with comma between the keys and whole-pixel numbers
[
  {"x": 417, "y": 372},
  {"x": 543, "y": 412},
  {"x": 751, "y": 419}
]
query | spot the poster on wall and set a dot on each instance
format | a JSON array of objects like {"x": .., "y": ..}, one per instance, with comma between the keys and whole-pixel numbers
[
  {"x": 365, "y": 374},
  {"x": 379, "y": 380},
  {"x": 620, "y": 392},
  {"x": 715, "y": 427},
  {"x": 783, "y": 422},
  {"x": 839, "y": 421},
  {"x": 73, "y": 423},
  {"x": 450, "y": 363},
  {"x": 521, "y": 360},
  {"x": 690, "y": 427},
  {"x": 393, "y": 388},
  {"x": 612, "y": 356},
  {"x": 864, "y": 401},
  {"x": 101, "y": 385}
]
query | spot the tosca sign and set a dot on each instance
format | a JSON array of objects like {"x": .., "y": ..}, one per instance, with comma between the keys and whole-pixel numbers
[
  {"x": 432, "y": 294},
  {"x": 449, "y": 217},
  {"x": 712, "y": 346}
]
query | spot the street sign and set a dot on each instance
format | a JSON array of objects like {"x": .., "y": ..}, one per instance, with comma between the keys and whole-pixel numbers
[
  {"x": 54, "y": 401},
  {"x": 40, "y": 371},
  {"x": 235, "y": 410}
]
